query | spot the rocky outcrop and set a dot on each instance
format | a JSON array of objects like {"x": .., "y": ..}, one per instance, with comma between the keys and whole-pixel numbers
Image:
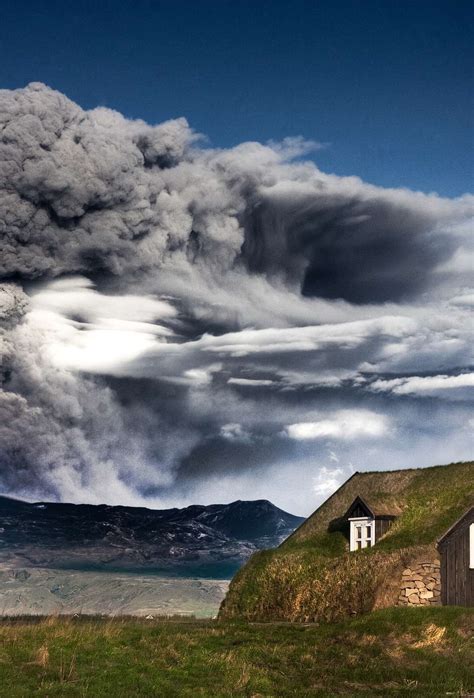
[{"x": 421, "y": 584}]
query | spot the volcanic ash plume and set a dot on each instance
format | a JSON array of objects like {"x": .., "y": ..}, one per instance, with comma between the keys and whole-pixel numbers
[{"x": 180, "y": 239}]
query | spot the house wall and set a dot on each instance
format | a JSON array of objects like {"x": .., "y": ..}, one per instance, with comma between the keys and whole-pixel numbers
[
  {"x": 381, "y": 527},
  {"x": 421, "y": 584},
  {"x": 457, "y": 577}
]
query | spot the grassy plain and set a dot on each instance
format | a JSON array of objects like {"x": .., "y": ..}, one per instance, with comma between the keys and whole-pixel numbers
[{"x": 393, "y": 652}]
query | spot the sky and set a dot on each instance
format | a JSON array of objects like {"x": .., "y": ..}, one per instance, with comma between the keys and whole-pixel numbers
[
  {"x": 385, "y": 86},
  {"x": 236, "y": 251}
]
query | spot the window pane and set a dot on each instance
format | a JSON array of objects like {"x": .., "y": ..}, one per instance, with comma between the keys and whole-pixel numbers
[
  {"x": 369, "y": 531},
  {"x": 359, "y": 544}
]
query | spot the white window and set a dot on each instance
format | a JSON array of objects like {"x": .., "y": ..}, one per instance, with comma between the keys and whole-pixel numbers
[
  {"x": 362, "y": 533},
  {"x": 471, "y": 546}
]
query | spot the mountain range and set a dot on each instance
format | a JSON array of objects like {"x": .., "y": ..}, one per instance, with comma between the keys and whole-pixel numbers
[{"x": 199, "y": 541}]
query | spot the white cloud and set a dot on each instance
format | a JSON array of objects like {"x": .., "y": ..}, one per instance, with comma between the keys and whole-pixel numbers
[
  {"x": 111, "y": 332},
  {"x": 98, "y": 349},
  {"x": 200, "y": 376},
  {"x": 327, "y": 480},
  {"x": 463, "y": 299},
  {"x": 328, "y": 378},
  {"x": 250, "y": 381},
  {"x": 344, "y": 424},
  {"x": 426, "y": 385},
  {"x": 277, "y": 340},
  {"x": 235, "y": 432},
  {"x": 76, "y": 296}
]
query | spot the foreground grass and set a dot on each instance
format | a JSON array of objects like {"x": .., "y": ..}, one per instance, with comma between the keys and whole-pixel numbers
[{"x": 394, "y": 652}]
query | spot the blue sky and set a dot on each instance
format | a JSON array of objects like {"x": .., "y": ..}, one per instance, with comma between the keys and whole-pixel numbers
[{"x": 388, "y": 85}]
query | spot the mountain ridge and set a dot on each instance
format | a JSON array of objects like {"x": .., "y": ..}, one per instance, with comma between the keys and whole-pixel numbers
[{"x": 202, "y": 540}]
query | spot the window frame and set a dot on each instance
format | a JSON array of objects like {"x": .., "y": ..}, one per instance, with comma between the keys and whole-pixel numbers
[{"x": 471, "y": 546}]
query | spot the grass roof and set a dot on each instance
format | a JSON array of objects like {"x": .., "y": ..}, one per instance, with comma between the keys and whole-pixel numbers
[{"x": 429, "y": 500}]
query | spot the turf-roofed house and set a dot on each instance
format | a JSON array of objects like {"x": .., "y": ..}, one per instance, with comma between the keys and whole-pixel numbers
[{"x": 376, "y": 542}]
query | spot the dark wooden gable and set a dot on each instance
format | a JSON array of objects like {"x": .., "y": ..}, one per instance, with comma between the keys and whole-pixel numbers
[{"x": 358, "y": 508}]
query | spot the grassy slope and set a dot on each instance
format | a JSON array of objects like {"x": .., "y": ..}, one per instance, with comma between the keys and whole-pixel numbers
[
  {"x": 312, "y": 577},
  {"x": 393, "y": 652}
]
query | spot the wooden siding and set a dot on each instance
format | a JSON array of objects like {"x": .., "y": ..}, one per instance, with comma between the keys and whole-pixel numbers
[
  {"x": 457, "y": 579},
  {"x": 381, "y": 527}
]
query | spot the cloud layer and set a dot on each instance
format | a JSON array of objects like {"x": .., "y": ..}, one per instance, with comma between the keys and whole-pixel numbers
[{"x": 179, "y": 321}]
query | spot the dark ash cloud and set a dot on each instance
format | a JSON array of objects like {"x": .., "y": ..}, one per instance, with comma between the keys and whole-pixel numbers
[
  {"x": 365, "y": 246},
  {"x": 94, "y": 192}
]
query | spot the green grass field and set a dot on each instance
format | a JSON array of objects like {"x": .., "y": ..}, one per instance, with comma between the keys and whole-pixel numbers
[{"x": 393, "y": 652}]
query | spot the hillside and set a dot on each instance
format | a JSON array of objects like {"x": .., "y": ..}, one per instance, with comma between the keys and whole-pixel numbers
[
  {"x": 207, "y": 541},
  {"x": 312, "y": 576},
  {"x": 383, "y": 654}
]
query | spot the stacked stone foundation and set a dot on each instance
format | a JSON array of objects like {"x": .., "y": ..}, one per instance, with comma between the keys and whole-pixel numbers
[{"x": 421, "y": 585}]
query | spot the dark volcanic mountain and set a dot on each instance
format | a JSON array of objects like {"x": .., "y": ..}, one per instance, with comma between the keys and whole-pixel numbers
[{"x": 212, "y": 541}]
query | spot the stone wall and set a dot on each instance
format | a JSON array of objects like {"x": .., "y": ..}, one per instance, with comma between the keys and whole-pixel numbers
[{"x": 421, "y": 584}]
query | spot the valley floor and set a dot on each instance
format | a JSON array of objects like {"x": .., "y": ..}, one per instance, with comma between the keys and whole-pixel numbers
[
  {"x": 395, "y": 652},
  {"x": 40, "y": 591}
]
